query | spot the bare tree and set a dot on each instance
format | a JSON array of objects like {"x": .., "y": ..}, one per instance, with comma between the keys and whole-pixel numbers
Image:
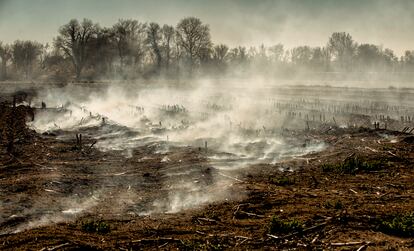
[
  {"x": 320, "y": 59},
  {"x": 25, "y": 53},
  {"x": 154, "y": 41},
  {"x": 44, "y": 54},
  {"x": 301, "y": 56},
  {"x": 194, "y": 38},
  {"x": 343, "y": 48},
  {"x": 5, "y": 56},
  {"x": 102, "y": 53},
  {"x": 391, "y": 60},
  {"x": 73, "y": 39},
  {"x": 220, "y": 53},
  {"x": 125, "y": 34},
  {"x": 276, "y": 53},
  {"x": 167, "y": 43},
  {"x": 368, "y": 56},
  {"x": 238, "y": 56},
  {"x": 408, "y": 60},
  {"x": 133, "y": 49},
  {"x": 220, "y": 56}
]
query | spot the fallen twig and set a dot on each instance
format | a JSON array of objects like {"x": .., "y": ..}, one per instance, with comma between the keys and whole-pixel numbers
[
  {"x": 315, "y": 239},
  {"x": 251, "y": 214},
  {"x": 156, "y": 240},
  {"x": 303, "y": 231},
  {"x": 207, "y": 219},
  {"x": 42, "y": 166},
  {"x": 237, "y": 209},
  {"x": 51, "y": 191},
  {"x": 364, "y": 246},
  {"x": 393, "y": 154},
  {"x": 316, "y": 226},
  {"x": 241, "y": 237},
  {"x": 371, "y": 149},
  {"x": 55, "y": 247},
  {"x": 163, "y": 245},
  {"x": 273, "y": 236},
  {"x": 18, "y": 160},
  {"x": 93, "y": 144},
  {"x": 352, "y": 190},
  {"x": 341, "y": 244},
  {"x": 230, "y": 177}
]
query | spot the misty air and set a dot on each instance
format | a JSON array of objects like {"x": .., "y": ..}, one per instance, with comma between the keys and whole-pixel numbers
[{"x": 206, "y": 125}]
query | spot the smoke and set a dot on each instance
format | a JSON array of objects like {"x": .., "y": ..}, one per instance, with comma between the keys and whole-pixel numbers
[
  {"x": 190, "y": 194},
  {"x": 229, "y": 117},
  {"x": 41, "y": 214},
  {"x": 200, "y": 135},
  {"x": 193, "y": 140},
  {"x": 183, "y": 147}
]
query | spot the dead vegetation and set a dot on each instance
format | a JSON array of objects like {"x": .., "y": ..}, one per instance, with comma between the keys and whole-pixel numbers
[{"x": 355, "y": 194}]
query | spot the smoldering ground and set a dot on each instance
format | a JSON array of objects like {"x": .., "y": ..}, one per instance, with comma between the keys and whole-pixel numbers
[
  {"x": 189, "y": 143},
  {"x": 153, "y": 150}
]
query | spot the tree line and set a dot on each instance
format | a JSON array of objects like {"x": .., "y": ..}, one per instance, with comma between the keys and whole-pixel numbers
[{"x": 131, "y": 49}]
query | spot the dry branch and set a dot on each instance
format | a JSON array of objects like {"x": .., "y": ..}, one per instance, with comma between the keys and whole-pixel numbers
[
  {"x": 393, "y": 154},
  {"x": 342, "y": 244},
  {"x": 251, "y": 214},
  {"x": 303, "y": 231},
  {"x": 155, "y": 240},
  {"x": 55, "y": 247},
  {"x": 364, "y": 246},
  {"x": 93, "y": 144},
  {"x": 227, "y": 176},
  {"x": 206, "y": 219}
]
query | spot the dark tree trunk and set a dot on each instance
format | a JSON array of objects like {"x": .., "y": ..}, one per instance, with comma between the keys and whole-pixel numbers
[
  {"x": 3, "y": 70},
  {"x": 78, "y": 71}
]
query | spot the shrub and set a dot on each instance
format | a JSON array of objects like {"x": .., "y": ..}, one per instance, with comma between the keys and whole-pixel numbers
[
  {"x": 401, "y": 225},
  {"x": 353, "y": 164},
  {"x": 334, "y": 204},
  {"x": 283, "y": 181},
  {"x": 284, "y": 226},
  {"x": 96, "y": 227}
]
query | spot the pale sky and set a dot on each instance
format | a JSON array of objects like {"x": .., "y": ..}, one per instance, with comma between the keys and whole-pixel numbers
[{"x": 235, "y": 22}]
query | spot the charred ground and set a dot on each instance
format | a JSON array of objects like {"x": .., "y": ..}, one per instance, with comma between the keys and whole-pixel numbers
[{"x": 355, "y": 194}]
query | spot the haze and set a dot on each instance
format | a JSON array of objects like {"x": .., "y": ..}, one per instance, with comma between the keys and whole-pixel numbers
[{"x": 242, "y": 22}]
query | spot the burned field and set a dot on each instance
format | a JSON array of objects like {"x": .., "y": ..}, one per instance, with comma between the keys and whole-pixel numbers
[{"x": 287, "y": 168}]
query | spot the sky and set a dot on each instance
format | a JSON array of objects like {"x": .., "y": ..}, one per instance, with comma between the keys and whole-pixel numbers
[{"x": 389, "y": 23}]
